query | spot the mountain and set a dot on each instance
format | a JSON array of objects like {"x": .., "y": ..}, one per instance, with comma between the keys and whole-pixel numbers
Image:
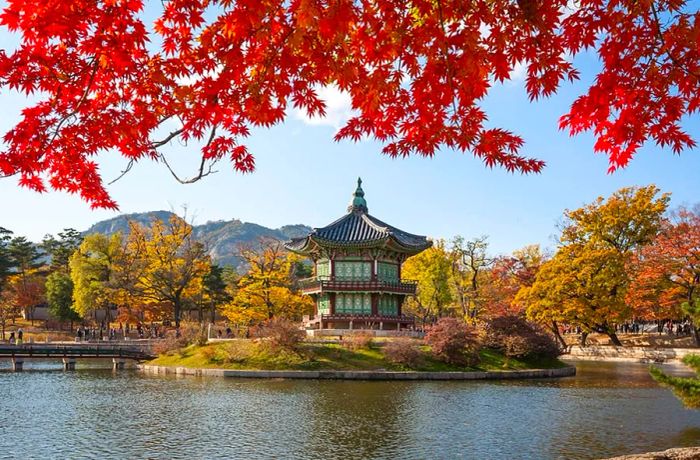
[{"x": 222, "y": 236}]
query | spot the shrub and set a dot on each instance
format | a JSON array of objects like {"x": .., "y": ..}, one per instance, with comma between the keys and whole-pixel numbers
[
  {"x": 515, "y": 337},
  {"x": 402, "y": 351},
  {"x": 166, "y": 345},
  {"x": 281, "y": 333},
  {"x": 453, "y": 341},
  {"x": 189, "y": 334},
  {"x": 358, "y": 341},
  {"x": 235, "y": 353},
  {"x": 209, "y": 353}
]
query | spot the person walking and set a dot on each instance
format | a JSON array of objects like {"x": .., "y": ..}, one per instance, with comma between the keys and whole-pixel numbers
[{"x": 20, "y": 336}]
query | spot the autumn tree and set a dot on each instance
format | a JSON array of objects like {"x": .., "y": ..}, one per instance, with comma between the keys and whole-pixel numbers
[
  {"x": 205, "y": 72},
  {"x": 470, "y": 265},
  {"x": 432, "y": 269},
  {"x": 666, "y": 273},
  {"x": 166, "y": 265},
  {"x": 93, "y": 268},
  {"x": 586, "y": 281},
  {"x": 267, "y": 290},
  {"x": 507, "y": 275},
  {"x": 26, "y": 282}
]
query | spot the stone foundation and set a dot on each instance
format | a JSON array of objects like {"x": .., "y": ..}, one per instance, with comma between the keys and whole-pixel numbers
[{"x": 362, "y": 375}]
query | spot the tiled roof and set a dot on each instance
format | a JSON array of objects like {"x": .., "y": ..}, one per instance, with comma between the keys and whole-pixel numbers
[{"x": 358, "y": 228}]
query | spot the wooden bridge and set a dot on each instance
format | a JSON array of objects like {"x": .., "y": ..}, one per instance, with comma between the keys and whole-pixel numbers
[{"x": 69, "y": 353}]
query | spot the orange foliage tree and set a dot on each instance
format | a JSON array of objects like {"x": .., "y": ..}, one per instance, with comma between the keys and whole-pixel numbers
[
  {"x": 666, "y": 273},
  {"x": 105, "y": 78}
]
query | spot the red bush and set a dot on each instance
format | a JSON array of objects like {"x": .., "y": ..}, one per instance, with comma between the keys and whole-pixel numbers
[
  {"x": 517, "y": 338},
  {"x": 281, "y": 333},
  {"x": 453, "y": 341},
  {"x": 402, "y": 351}
]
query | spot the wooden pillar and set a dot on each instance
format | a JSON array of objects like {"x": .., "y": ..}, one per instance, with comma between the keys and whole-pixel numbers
[
  {"x": 117, "y": 364},
  {"x": 375, "y": 302},
  {"x": 68, "y": 364},
  {"x": 332, "y": 295},
  {"x": 17, "y": 364},
  {"x": 375, "y": 266},
  {"x": 399, "y": 302},
  {"x": 332, "y": 269}
]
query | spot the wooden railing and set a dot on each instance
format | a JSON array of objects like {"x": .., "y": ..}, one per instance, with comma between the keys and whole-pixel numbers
[
  {"x": 72, "y": 351},
  {"x": 320, "y": 284},
  {"x": 369, "y": 318}
]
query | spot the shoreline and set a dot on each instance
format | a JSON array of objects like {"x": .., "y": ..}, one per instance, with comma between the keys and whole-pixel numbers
[{"x": 568, "y": 371}]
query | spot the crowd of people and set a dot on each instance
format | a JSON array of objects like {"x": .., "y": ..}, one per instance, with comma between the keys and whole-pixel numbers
[{"x": 124, "y": 331}]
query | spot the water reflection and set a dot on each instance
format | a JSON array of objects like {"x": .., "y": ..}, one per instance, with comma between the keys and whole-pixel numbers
[{"x": 607, "y": 409}]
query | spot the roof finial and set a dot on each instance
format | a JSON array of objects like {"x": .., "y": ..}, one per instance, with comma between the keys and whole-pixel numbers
[{"x": 358, "y": 200}]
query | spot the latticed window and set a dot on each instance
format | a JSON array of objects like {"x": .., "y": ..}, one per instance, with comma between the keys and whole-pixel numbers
[
  {"x": 388, "y": 305},
  {"x": 353, "y": 271},
  {"x": 324, "y": 304},
  {"x": 323, "y": 269},
  {"x": 387, "y": 271},
  {"x": 353, "y": 304}
]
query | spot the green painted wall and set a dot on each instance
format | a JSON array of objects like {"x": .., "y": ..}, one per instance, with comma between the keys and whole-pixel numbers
[{"x": 358, "y": 304}]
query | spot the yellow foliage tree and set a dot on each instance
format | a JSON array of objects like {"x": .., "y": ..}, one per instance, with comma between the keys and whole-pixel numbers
[
  {"x": 585, "y": 282},
  {"x": 95, "y": 269},
  {"x": 165, "y": 267},
  {"x": 267, "y": 290},
  {"x": 432, "y": 269}
]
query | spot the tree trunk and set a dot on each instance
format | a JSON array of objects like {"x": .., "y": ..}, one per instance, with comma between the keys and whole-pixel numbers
[
  {"x": 584, "y": 336},
  {"x": 557, "y": 335},
  {"x": 696, "y": 335},
  {"x": 176, "y": 312},
  {"x": 613, "y": 338}
]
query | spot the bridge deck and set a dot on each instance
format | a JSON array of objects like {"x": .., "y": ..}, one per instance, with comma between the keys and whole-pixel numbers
[{"x": 73, "y": 351}]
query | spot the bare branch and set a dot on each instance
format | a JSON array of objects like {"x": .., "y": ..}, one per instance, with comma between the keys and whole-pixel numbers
[
  {"x": 204, "y": 169},
  {"x": 123, "y": 173}
]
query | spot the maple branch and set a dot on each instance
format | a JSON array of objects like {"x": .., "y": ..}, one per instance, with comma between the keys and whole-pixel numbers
[
  {"x": 664, "y": 46},
  {"x": 123, "y": 173},
  {"x": 202, "y": 173},
  {"x": 167, "y": 139},
  {"x": 446, "y": 56},
  {"x": 95, "y": 66}
]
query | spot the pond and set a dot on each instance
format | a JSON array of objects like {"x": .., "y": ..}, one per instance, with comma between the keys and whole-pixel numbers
[{"x": 607, "y": 409}]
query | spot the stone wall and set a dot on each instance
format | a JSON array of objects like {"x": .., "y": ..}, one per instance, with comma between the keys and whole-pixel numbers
[
  {"x": 362, "y": 375},
  {"x": 630, "y": 354}
]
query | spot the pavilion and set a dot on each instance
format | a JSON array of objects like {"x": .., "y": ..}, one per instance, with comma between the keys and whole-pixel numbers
[{"x": 357, "y": 270}]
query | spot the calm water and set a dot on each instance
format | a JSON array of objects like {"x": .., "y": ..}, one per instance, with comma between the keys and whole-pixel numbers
[{"x": 608, "y": 409}]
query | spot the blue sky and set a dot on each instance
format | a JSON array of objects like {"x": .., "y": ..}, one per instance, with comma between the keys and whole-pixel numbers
[{"x": 303, "y": 176}]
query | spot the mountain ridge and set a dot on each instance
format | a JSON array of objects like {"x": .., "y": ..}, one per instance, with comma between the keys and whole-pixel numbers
[{"x": 222, "y": 237}]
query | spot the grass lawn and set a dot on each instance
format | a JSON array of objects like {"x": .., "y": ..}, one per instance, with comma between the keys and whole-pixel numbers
[{"x": 252, "y": 354}]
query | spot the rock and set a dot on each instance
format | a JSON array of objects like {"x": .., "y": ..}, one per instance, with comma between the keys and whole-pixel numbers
[{"x": 681, "y": 453}]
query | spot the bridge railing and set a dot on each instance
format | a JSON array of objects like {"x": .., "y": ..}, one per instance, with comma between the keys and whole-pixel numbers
[{"x": 75, "y": 351}]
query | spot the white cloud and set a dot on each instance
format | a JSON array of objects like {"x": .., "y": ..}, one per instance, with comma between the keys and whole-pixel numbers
[
  {"x": 519, "y": 72},
  {"x": 338, "y": 108}
]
